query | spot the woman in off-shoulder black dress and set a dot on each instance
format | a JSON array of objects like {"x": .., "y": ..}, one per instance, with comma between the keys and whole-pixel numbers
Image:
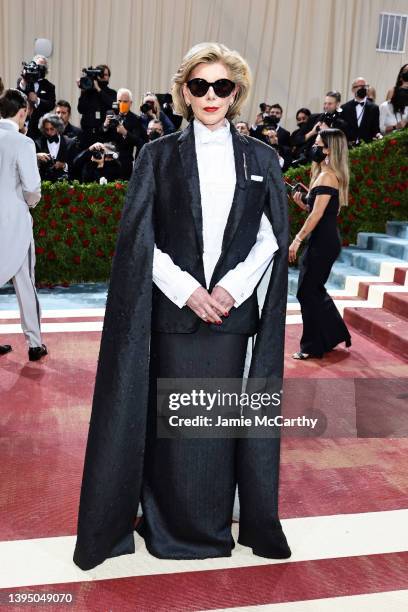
[{"x": 323, "y": 326}]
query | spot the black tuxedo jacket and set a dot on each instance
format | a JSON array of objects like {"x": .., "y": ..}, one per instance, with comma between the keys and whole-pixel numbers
[
  {"x": 370, "y": 122},
  {"x": 163, "y": 205},
  {"x": 175, "y": 171},
  {"x": 46, "y": 93},
  {"x": 66, "y": 153},
  {"x": 283, "y": 137},
  {"x": 136, "y": 137}
]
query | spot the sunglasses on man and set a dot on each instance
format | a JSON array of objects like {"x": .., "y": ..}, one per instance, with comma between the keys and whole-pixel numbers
[{"x": 222, "y": 87}]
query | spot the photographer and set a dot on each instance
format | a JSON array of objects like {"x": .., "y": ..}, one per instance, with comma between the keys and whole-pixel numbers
[
  {"x": 150, "y": 109},
  {"x": 270, "y": 117},
  {"x": 40, "y": 92},
  {"x": 283, "y": 152},
  {"x": 332, "y": 117},
  {"x": 98, "y": 162},
  {"x": 95, "y": 99},
  {"x": 54, "y": 150},
  {"x": 125, "y": 129},
  {"x": 297, "y": 138}
]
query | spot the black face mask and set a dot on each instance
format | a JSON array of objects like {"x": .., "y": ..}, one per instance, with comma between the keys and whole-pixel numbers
[
  {"x": 317, "y": 154},
  {"x": 361, "y": 92},
  {"x": 301, "y": 124},
  {"x": 404, "y": 76}
]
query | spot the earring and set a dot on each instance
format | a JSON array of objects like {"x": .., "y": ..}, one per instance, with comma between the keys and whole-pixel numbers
[{"x": 327, "y": 160}]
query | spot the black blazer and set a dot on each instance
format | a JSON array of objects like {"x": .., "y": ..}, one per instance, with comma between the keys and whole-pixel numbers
[
  {"x": 46, "y": 93},
  {"x": 370, "y": 122},
  {"x": 66, "y": 152},
  {"x": 173, "y": 172},
  {"x": 283, "y": 136}
]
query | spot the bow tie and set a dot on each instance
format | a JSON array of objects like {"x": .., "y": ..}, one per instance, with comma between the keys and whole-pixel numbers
[
  {"x": 219, "y": 136},
  {"x": 359, "y": 103},
  {"x": 53, "y": 139}
]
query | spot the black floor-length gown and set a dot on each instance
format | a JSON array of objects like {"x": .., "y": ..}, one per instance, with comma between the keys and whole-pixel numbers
[{"x": 323, "y": 326}]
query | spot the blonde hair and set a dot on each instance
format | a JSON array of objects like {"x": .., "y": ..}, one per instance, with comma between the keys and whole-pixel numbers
[
  {"x": 336, "y": 141},
  {"x": 208, "y": 53},
  {"x": 157, "y": 106}
]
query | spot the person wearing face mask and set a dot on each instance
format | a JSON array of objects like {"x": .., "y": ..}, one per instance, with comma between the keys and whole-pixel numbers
[
  {"x": 93, "y": 104},
  {"x": 401, "y": 81},
  {"x": 20, "y": 188},
  {"x": 323, "y": 327},
  {"x": 394, "y": 112},
  {"x": 361, "y": 115},
  {"x": 205, "y": 216},
  {"x": 125, "y": 129},
  {"x": 297, "y": 138},
  {"x": 155, "y": 130}
]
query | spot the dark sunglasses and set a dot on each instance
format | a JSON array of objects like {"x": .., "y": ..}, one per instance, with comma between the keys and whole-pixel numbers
[{"x": 222, "y": 88}]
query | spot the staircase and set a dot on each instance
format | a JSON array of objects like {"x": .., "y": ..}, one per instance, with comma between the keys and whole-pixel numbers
[{"x": 369, "y": 284}]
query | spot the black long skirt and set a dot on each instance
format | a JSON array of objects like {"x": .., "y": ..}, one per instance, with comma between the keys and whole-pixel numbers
[
  {"x": 189, "y": 484},
  {"x": 323, "y": 326}
]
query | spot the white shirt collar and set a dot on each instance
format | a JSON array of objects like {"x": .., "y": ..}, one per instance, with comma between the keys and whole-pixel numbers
[
  {"x": 204, "y": 135},
  {"x": 10, "y": 122}
]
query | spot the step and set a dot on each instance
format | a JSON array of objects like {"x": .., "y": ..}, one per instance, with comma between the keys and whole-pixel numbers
[
  {"x": 397, "y": 228},
  {"x": 395, "y": 247},
  {"x": 381, "y": 326},
  {"x": 368, "y": 261},
  {"x": 401, "y": 276},
  {"x": 397, "y": 303},
  {"x": 341, "y": 270}
]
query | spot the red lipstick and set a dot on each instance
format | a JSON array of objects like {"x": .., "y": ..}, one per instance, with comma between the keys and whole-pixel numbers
[{"x": 211, "y": 109}]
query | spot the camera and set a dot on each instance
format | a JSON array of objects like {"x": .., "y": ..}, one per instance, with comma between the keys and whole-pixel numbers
[
  {"x": 86, "y": 81},
  {"x": 115, "y": 116},
  {"x": 329, "y": 119},
  {"x": 165, "y": 100},
  {"x": 31, "y": 73},
  {"x": 107, "y": 154},
  {"x": 147, "y": 106}
]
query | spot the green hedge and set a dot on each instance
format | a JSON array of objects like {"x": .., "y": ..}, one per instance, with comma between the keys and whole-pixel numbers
[{"x": 75, "y": 225}]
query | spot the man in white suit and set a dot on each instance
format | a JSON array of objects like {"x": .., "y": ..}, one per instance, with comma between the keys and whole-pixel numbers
[{"x": 20, "y": 190}]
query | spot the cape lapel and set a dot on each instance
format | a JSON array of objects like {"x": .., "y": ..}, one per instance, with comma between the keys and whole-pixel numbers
[{"x": 188, "y": 158}]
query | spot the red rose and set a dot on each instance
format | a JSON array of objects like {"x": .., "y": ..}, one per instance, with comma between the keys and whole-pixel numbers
[
  {"x": 393, "y": 171},
  {"x": 39, "y": 250},
  {"x": 118, "y": 186},
  {"x": 80, "y": 222},
  {"x": 91, "y": 199},
  {"x": 374, "y": 205},
  {"x": 80, "y": 197},
  {"x": 53, "y": 223},
  {"x": 73, "y": 209},
  {"x": 42, "y": 232},
  {"x": 109, "y": 191},
  {"x": 94, "y": 230},
  {"x": 396, "y": 203},
  {"x": 77, "y": 260},
  {"x": 103, "y": 220},
  {"x": 65, "y": 216},
  {"x": 369, "y": 182},
  {"x": 69, "y": 226},
  {"x": 51, "y": 255},
  {"x": 47, "y": 197},
  {"x": 363, "y": 200},
  {"x": 57, "y": 237},
  {"x": 101, "y": 199},
  {"x": 355, "y": 161},
  {"x": 115, "y": 199},
  {"x": 88, "y": 213},
  {"x": 69, "y": 241},
  {"x": 86, "y": 243},
  {"x": 393, "y": 141},
  {"x": 100, "y": 253},
  {"x": 109, "y": 209},
  {"x": 72, "y": 191}
]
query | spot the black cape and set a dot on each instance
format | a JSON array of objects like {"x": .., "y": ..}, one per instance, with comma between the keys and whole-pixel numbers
[{"x": 113, "y": 468}]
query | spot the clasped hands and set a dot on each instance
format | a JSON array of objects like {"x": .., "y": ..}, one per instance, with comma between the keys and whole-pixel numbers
[{"x": 211, "y": 307}]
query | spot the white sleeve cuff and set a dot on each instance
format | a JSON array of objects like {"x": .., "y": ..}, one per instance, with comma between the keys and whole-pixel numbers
[{"x": 175, "y": 283}]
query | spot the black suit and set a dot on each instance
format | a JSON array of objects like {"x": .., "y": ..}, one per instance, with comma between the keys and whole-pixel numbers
[
  {"x": 46, "y": 94},
  {"x": 71, "y": 131},
  {"x": 136, "y": 137},
  {"x": 66, "y": 153},
  {"x": 283, "y": 136},
  {"x": 163, "y": 206},
  {"x": 370, "y": 121},
  {"x": 92, "y": 105}
]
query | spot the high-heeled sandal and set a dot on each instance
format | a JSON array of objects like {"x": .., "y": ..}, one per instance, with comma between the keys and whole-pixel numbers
[{"x": 300, "y": 355}]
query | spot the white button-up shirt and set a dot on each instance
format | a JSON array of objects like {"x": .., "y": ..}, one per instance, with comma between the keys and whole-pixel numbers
[{"x": 216, "y": 169}]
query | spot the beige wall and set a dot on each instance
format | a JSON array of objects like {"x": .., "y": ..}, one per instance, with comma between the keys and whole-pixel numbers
[{"x": 297, "y": 49}]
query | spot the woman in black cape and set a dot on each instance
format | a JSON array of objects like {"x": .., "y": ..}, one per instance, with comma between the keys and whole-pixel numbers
[
  {"x": 323, "y": 326},
  {"x": 204, "y": 216}
]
